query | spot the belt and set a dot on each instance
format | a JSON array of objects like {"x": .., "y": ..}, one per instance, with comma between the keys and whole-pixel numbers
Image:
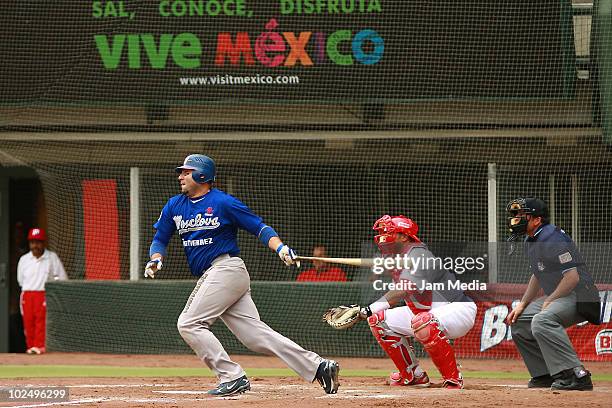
[{"x": 222, "y": 258}]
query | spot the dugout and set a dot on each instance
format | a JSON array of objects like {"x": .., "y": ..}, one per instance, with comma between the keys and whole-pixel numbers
[{"x": 22, "y": 206}]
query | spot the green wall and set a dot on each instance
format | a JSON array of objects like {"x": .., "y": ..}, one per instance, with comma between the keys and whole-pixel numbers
[{"x": 140, "y": 317}]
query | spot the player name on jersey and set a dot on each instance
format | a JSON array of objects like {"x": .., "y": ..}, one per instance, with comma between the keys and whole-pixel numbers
[{"x": 197, "y": 242}]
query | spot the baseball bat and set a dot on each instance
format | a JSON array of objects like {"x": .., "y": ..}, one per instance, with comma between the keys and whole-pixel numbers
[{"x": 343, "y": 261}]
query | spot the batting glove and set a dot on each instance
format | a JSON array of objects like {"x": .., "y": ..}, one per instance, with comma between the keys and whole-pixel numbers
[
  {"x": 287, "y": 255},
  {"x": 152, "y": 267}
]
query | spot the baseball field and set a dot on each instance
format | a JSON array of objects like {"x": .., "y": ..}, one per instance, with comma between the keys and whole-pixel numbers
[{"x": 103, "y": 380}]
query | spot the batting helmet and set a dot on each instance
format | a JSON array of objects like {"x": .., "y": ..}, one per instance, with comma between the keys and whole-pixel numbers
[
  {"x": 519, "y": 208},
  {"x": 203, "y": 167},
  {"x": 37, "y": 234},
  {"x": 387, "y": 226}
]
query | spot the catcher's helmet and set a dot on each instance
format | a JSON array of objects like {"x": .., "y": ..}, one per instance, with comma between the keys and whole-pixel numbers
[
  {"x": 519, "y": 208},
  {"x": 203, "y": 167},
  {"x": 387, "y": 226}
]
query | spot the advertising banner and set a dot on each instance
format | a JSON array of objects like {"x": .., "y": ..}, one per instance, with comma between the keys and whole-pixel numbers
[
  {"x": 185, "y": 51},
  {"x": 491, "y": 337}
]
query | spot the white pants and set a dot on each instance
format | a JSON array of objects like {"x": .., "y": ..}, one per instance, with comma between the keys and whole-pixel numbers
[
  {"x": 224, "y": 292},
  {"x": 455, "y": 318}
]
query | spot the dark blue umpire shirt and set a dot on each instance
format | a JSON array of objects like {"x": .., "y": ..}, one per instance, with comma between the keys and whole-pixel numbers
[{"x": 551, "y": 253}]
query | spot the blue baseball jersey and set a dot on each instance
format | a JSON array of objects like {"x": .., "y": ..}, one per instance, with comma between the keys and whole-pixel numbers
[
  {"x": 208, "y": 226},
  {"x": 551, "y": 253}
]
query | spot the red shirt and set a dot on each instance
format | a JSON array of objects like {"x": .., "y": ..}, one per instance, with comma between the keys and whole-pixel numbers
[{"x": 328, "y": 275}]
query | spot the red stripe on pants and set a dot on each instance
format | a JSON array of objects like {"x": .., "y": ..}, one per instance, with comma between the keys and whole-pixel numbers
[{"x": 34, "y": 312}]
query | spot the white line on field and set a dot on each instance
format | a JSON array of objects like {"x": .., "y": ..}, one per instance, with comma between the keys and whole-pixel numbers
[
  {"x": 181, "y": 392},
  {"x": 507, "y": 385},
  {"x": 119, "y": 385},
  {"x": 50, "y": 404},
  {"x": 93, "y": 385},
  {"x": 108, "y": 399},
  {"x": 143, "y": 400},
  {"x": 378, "y": 396}
]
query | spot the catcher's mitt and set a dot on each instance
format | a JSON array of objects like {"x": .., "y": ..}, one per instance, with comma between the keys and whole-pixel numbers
[{"x": 343, "y": 317}]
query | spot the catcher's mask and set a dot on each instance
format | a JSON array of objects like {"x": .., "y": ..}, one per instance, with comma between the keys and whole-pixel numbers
[
  {"x": 388, "y": 227},
  {"x": 518, "y": 210}
]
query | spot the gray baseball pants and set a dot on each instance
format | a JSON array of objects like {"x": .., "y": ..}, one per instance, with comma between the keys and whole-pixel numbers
[
  {"x": 224, "y": 292},
  {"x": 541, "y": 338}
]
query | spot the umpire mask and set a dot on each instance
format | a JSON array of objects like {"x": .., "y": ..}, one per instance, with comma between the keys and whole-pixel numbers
[{"x": 518, "y": 210}]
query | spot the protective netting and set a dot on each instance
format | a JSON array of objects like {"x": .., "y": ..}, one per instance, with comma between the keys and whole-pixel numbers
[{"x": 322, "y": 116}]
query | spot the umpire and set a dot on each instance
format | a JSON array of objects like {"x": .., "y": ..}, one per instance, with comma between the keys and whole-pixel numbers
[{"x": 538, "y": 325}]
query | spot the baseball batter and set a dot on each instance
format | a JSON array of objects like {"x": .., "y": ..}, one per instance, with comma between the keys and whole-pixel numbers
[
  {"x": 432, "y": 317},
  {"x": 207, "y": 220}
]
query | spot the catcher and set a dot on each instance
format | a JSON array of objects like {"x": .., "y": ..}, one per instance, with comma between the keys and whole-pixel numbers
[{"x": 431, "y": 317}]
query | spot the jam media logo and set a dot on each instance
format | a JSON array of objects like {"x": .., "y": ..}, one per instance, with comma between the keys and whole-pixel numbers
[{"x": 603, "y": 342}]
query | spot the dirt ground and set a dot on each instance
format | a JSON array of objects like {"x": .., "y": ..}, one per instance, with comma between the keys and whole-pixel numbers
[{"x": 279, "y": 391}]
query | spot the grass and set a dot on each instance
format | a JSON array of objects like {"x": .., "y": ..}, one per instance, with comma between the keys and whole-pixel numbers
[{"x": 82, "y": 371}]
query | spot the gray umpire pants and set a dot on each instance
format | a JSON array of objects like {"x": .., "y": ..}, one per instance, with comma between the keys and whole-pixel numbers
[
  {"x": 224, "y": 292},
  {"x": 541, "y": 338}
]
